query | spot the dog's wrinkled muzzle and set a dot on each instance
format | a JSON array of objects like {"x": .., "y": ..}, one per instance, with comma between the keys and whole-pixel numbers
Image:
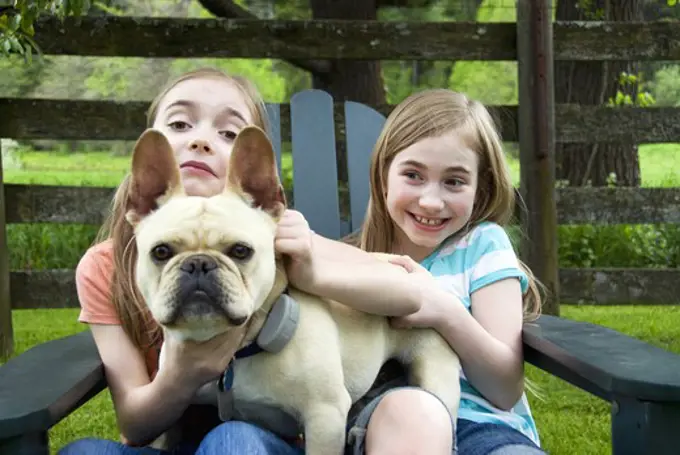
[{"x": 200, "y": 292}]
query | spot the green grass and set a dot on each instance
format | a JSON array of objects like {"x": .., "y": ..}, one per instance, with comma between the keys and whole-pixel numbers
[
  {"x": 96, "y": 418},
  {"x": 570, "y": 421},
  {"x": 659, "y": 165}
]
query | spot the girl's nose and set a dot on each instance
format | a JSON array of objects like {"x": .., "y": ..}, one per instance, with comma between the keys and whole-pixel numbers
[
  {"x": 201, "y": 146},
  {"x": 431, "y": 201}
]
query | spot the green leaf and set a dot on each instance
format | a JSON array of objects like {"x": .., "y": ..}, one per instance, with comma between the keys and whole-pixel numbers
[
  {"x": 6, "y": 46},
  {"x": 15, "y": 22},
  {"x": 28, "y": 53}
]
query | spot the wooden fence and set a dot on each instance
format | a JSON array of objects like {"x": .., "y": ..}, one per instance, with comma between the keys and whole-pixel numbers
[{"x": 328, "y": 39}]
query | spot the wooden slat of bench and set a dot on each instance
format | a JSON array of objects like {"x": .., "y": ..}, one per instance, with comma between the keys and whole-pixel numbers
[
  {"x": 363, "y": 125},
  {"x": 315, "y": 172},
  {"x": 603, "y": 361},
  {"x": 44, "y": 390}
]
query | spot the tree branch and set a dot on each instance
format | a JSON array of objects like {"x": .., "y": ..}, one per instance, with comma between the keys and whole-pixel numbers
[{"x": 228, "y": 9}]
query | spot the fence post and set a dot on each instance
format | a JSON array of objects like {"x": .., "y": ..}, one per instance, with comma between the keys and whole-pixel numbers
[
  {"x": 536, "y": 118},
  {"x": 6, "y": 334}
]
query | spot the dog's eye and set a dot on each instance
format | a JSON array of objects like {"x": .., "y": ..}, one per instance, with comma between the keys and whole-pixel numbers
[
  {"x": 240, "y": 251},
  {"x": 162, "y": 252}
]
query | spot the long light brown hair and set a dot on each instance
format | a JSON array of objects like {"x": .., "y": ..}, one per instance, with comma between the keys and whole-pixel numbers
[
  {"x": 132, "y": 311},
  {"x": 432, "y": 113}
]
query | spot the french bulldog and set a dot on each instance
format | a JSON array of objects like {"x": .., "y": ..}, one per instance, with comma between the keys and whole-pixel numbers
[{"x": 207, "y": 265}]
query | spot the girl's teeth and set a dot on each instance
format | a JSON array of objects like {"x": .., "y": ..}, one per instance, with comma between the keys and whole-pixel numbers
[{"x": 428, "y": 221}]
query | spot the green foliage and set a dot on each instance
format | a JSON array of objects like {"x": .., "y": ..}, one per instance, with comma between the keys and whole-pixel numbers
[
  {"x": 666, "y": 85},
  {"x": 631, "y": 83},
  {"x": 16, "y": 24},
  {"x": 590, "y": 10},
  {"x": 642, "y": 246},
  {"x": 271, "y": 84}
]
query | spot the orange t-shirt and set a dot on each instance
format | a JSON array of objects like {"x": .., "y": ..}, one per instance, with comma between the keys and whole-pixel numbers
[{"x": 93, "y": 284}]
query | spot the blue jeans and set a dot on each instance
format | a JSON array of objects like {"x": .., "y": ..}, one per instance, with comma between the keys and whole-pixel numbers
[
  {"x": 228, "y": 438},
  {"x": 492, "y": 439}
]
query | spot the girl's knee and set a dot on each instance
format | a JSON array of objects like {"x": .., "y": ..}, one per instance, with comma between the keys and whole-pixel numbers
[
  {"x": 409, "y": 421},
  {"x": 410, "y": 407}
]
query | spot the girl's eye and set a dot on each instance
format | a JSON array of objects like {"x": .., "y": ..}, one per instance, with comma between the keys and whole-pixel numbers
[
  {"x": 454, "y": 182},
  {"x": 411, "y": 175},
  {"x": 179, "y": 125},
  {"x": 228, "y": 134}
]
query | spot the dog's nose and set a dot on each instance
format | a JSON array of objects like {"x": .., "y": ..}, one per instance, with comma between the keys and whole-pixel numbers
[{"x": 198, "y": 264}]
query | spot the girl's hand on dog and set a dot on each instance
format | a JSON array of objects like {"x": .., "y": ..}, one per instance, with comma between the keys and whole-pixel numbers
[
  {"x": 196, "y": 363},
  {"x": 435, "y": 302},
  {"x": 294, "y": 239}
]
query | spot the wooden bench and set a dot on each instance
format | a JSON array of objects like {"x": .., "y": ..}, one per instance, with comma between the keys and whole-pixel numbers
[{"x": 45, "y": 384}]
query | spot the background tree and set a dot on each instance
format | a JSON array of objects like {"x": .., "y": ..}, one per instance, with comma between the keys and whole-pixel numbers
[{"x": 598, "y": 83}]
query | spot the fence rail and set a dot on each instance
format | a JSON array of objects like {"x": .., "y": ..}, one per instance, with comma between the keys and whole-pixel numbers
[
  {"x": 30, "y": 118},
  {"x": 337, "y": 39},
  {"x": 64, "y": 204},
  {"x": 624, "y": 286}
]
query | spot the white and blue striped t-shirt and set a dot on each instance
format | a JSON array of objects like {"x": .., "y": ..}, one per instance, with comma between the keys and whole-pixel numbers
[{"x": 462, "y": 266}]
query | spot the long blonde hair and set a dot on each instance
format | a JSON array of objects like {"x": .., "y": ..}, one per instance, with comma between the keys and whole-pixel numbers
[
  {"x": 132, "y": 311},
  {"x": 432, "y": 113}
]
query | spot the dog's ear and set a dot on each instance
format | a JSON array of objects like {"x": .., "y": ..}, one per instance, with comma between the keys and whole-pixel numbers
[
  {"x": 252, "y": 170},
  {"x": 154, "y": 176}
]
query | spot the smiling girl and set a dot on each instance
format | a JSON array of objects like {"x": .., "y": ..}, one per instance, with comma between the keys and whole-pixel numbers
[{"x": 441, "y": 195}]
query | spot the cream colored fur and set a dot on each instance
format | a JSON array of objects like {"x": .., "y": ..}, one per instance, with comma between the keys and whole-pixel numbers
[{"x": 336, "y": 352}]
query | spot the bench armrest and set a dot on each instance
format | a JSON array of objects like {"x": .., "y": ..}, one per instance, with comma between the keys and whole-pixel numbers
[
  {"x": 602, "y": 361},
  {"x": 46, "y": 383}
]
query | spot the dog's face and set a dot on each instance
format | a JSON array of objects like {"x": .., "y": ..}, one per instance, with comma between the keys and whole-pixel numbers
[{"x": 205, "y": 264}]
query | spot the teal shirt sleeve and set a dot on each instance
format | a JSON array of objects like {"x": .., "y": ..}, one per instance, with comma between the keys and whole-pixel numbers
[{"x": 491, "y": 258}]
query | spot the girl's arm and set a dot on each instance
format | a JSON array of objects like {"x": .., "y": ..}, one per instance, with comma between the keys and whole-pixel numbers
[
  {"x": 489, "y": 341},
  {"x": 368, "y": 285},
  {"x": 341, "y": 272},
  {"x": 145, "y": 409}
]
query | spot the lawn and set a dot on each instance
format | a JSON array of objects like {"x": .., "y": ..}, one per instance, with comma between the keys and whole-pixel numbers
[{"x": 570, "y": 421}]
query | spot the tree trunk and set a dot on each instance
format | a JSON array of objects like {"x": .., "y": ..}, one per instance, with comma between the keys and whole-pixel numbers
[
  {"x": 425, "y": 71},
  {"x": 594, "y": 83},
  {"x": 350, "y": 80}
]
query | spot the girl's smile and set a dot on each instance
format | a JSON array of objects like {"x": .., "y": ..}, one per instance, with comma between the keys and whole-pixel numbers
[
  {"x": 431, "y": 187},
  {"x": 429, "y": 224}
]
